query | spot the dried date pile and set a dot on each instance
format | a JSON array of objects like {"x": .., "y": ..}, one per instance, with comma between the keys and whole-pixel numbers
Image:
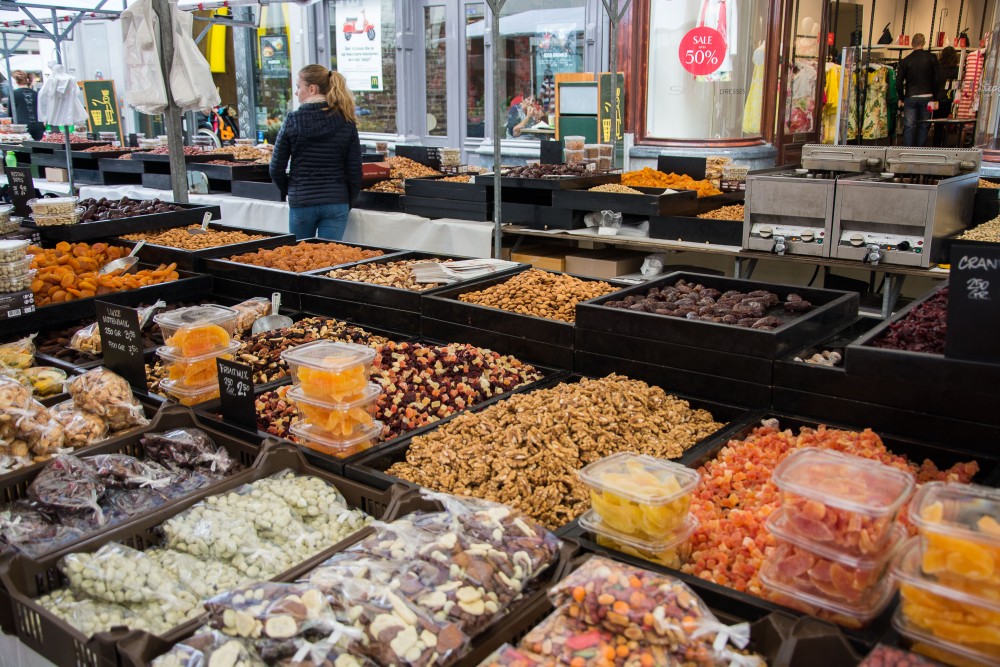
[
  {"x": 525, "y": 451},
  {"x": 697, "y": 302},
  {"x": 115, "y": 209},
  {"x": 924, "y": 329},
  {"x": 542, "y": 170}
]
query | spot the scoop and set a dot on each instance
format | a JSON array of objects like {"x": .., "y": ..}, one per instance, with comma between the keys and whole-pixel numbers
[
  {"x": 125, "y": 264},
  {"x": 195, "y": 231},
  {"x": 274, "y": 320}
]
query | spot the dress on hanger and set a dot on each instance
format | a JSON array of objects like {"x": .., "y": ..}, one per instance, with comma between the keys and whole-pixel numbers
[
  {"x": 755, "y": 95},
  {"x": 802, "y": 105},
  {"x": 967, "y": 97},
  {"x": 831, "y": 102}
]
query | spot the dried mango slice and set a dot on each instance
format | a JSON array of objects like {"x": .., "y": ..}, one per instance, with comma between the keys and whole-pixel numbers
[
  {"x": 195, "y": 341},
  {"x": 336, "y": 422},
  {"x": 333, "y": 386}
]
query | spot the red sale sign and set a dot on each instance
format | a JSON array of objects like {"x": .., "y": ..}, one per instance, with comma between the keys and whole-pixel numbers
[{"x": 702, "y": 50}]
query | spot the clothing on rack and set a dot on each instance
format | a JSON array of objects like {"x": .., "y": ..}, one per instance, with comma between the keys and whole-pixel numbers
[
  {"x": 752, "y": 109},
  {"x": 802, "y": 100},
  {"x": 875, "y": 114},
  {"x": 831, "y": 103},
  {"x": 967, "y": 98}
]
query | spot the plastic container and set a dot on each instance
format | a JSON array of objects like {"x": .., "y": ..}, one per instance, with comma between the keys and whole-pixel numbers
[
  {"x": 340, "y": 419},
  {"x": 243, "y": 142},
  {"x": 186, "y": 396},
  {"x": 14, "y": 128},
  {"x": 14, "y": 250},
  {"x": 669, "y": 552},
  {"x": 11, "y": 225},
  {"x": 592, "y": 151},
  {"x": 330, "y": 372},
  {"x": 53, "y": 205},
  {"x": 961, "y": 621},
  {"x": 316, "y": 439},
  {"x": 824, "y": 571},
  {"x": 960, "y": 535},
  {"x": 574, "y": 142},
  {"x": 16, "y": 283},
  {"x": 603, "y": 163},
  {"x": 451, "y": 157},
  {"x": 195, "y": 372},
  {"x": 640, "y": 496},
  {"x": 925, "y": 644},
  {"x": 840, "y": 500},
  {"x": 215, "y": 320},
  {"x": 57, "y": 219},
  {"x": 605, "y": 150},
  {"x": 5, "y": 211},
  {"x": 573, "y": 157}
]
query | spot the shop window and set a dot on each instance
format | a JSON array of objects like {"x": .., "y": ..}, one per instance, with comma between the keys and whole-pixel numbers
[
  {"x": 475, "y": 64},
  {"x": 539, "y": 39},
  {"x": 273, "y": 75},
  {"x": 436, "y": 67},
  {"x": 364, "y": 33},
  {"x": 725, "y": 104}
]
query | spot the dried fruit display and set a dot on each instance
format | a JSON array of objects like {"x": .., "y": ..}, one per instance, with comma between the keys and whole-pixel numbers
[
  {"x": 736, "y": 495},
  {"x": 393, "y": 186},
  {"x": 188, "y": 150},
  {"x": 458, "y": 179},
  {"x": 115, "y": 209},
  {"x": 403, "y": 168},
  {"x": 924, "y": 328},
  {"x": 648, "y": 177},
  {"x": 330, "y": 371},
  {"x": 388, "y": 274},
  {"x": 305, "y": 256},
  {"x": 111, "y": 149},
  {"x": 758, "y": 309},
  {"x": 524, "y": 451},
  {"x": 890, "y": 656},
  {"x": 543, "y": 170},
  {"x": 180, "y": 238},
  {"x": 59, "y": 138},
  {"x": 540, "y": 294}
]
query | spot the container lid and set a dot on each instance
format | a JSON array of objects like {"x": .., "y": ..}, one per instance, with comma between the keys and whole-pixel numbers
[
  {"x": 328, "y": 355},
  {"x": 964, "y": 511},
  {"x": 20, "y": 265},
  {"x": 78, "y": 211},
  {"x": 908, "y": 570},
  {"x": 846, "y": 482},
  {"x": 310, "y": 433},
  {"x": 205, "y": 392},
  {"x": 6, "y": 208},
  {"x": 779, "y": 526},
  {"x": 370, "y": 394},
  {"x": 171, "y": 355},
  {"x": 48, "y": 201},
  {"x": 14, "y": 244},
  {"x": 592, "y": 521},
  {"x": 936, "y": 647},
  {"x": 194, "y": 316},
  {"x": 640, "y": 478}
]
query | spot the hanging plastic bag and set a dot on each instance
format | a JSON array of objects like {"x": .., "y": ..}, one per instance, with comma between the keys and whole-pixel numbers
[
  {"x": 191, "y": 82},
  {"x": 145, "y": 89}
]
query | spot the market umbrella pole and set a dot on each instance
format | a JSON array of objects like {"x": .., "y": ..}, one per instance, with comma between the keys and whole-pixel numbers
[
  {"x": 496, "y": 6},
  {"x": 172, "y": 115},
  {"x": 616, "y": 13}
]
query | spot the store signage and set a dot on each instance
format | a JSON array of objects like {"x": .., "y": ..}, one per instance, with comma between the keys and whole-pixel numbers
[
  {"x": 102, "y": 107},
  {"x": 121, "y": 342},
  {"x": 702, "y": 50},
  {"x": 610, "y": 105},
  {"x": 16, "y": 304},
  {"x": 236, "y": 390},
  {"x": 22, "y": 188},
  {"x": 973, "y": 303},
  {"x": 359, "y": 43}
]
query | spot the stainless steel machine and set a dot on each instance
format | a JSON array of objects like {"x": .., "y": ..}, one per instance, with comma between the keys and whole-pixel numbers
[
  {"x": 790, "y": 210},
  {"x": 901, "y": 215}
]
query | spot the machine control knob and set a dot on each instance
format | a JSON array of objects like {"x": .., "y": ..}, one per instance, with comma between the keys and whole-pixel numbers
[
  {"x": 903, "y": 246},
  {"x": 874, "y": 255},
  {"x": 765, "y": 232},
  {"x": 808, "y": 236},
  {"x": 779, "y": 245},
  {"x": 857, "y": 240}
]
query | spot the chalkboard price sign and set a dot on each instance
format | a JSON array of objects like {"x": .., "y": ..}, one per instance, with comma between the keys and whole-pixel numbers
[
  {"x": 974, "y": 302},
  {"x": 22, "y": 189},
  {"x": 236, "y": 390},
  {"x": 425, "y": 155},
  {"x": 121, "y": 342}
]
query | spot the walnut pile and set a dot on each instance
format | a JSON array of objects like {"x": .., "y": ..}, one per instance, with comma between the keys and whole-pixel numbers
[{"x": 525, "y": 451}]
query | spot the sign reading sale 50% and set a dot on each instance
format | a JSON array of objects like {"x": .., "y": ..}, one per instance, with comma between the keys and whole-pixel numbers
[{"x": 702, "y": 50}]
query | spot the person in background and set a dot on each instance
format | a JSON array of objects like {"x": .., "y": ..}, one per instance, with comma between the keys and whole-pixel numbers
[
  {"x": 26, "y": 104},
  {"x": 948, "y": 60},
  {"x": 522, "y": 116},
  {"x": 918, "y": 83},
  {"x": 320, "y": 138}
]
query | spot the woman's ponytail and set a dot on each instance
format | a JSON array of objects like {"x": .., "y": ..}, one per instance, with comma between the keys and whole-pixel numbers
[{"x": 333, "y": 87}]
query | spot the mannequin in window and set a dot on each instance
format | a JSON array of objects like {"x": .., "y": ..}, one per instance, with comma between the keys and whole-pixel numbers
[{"x": 722, "y": 16}]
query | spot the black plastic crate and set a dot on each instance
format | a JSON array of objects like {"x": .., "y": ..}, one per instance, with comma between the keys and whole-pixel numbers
[
  {"x": 224, "y": 172},
  {"x": 194, "y": 260},
  {"x": 379, "y": 201},
  {"x": 263, "y": 190},
  {"x": 188, "y": 159},
  {"x": 482, "y": 213},
  {"x": 541, "y": 216},
  {"x": 435, "y": 188},
  {"x": 696, "y": 230},
  {"x": 88, "y": 231},
  {"x": 652, "y": 202}
]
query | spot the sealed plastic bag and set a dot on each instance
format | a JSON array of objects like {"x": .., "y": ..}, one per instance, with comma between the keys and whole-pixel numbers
[
  {"x": 206, "y": 578},
  {"x": 44, "y": 380},
  {"x": 187, "y": 481},
  {"x": 209, "y": 648},
  {"x": 189, "y": 448},
  {"x": 81, "y": 428},
  {"x": 86, "y": 615},
  {"x": 250, "y": 311},
  {"x": 25, "y": 527},
  {"x": 88, "y": 339},
  {"x": 19, "y": 353},
  {"x": 109, "y": 396},
  {"x": 134, "y": 502},
  {"x": 67, "y": 484},
  {"x": 271, "y": 610},
  {"x": 121, "y": 471}
]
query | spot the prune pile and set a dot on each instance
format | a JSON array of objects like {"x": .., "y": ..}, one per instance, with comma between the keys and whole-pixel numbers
[
  {"x": 923, "y": 330},
  {"x": 697, "y": 302},
  {"x": 540, "y": 170},
  {"x": 115, "y": 209}
]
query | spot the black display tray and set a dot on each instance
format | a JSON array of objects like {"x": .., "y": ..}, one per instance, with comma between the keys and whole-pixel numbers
[
  {"x": 653, "y": 201},
  {"x": 831, "y": 309},
  {"x": 435, "y": 188},
  {"x": 52, "y": 160},
  {"x": 50, "y": 146},
  {"x": 247, "y": 172},
  {"x": 944, "y": 250},
  {"x": 188, "y": 159},
  {"x": 97, "y": 177},
  {"x": 194, "y": 260},
  {"x": 87, "y": 231},
  {"x": 696, "y": 230},
  {"x": 117, "y": 166},
  {"x": 556, "y": 183},
  {"x": 541, "y": 217},
  {"x": 265, "y": 191},
  {"x": 442, "y": 208},
  {"x": 97, "y": 155},
  {"x": 240, "y": 291},
  {"x": 156, "y": 181},
  {"x": 370, "y": 468},
  {"x": 379, "y": 201}
]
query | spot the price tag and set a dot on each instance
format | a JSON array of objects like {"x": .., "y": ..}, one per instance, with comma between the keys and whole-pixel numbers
[
  {"x": 16, "y": 304},
  {"x": 973, "y": 302},
  {"x": 121, "y": 343},
  {"x": 22, "y": 189},
  {"x": 702, "y": 50},
  {"x": 237, "y": 393}
]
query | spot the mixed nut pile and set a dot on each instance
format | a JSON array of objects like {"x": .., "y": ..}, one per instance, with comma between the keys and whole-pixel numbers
[
  {"x": 540, "y": 294},
  {"x": 387, "y": 274},
  {"x": 734, "y": 212},
  {"x": 988, "y": 232},
  {"x": 401, "y": 168}
]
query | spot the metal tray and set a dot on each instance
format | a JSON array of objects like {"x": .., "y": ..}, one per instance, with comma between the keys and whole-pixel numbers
[
  {"x": 653, "y": 201},
  {"x": 194, "y": 260},
  {"x": 88, "y": 231},
  {"x": 831, "y": 309}
]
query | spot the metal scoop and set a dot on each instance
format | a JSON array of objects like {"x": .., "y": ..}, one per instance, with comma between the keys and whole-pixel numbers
[
  {"x": 274, "y": 320},
  {"x": 125, "y": 264},
  {"x": 195, "y": 231}
]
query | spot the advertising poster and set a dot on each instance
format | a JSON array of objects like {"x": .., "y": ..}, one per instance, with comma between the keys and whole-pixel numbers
[{"x": 359, "y": 43}]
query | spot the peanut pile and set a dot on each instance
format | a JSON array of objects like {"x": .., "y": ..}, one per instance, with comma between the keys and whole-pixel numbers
[
  {"x": 616, "y": 188},
  {"x": 179, "y": 238},
  {"x": 734, "y": 212},
  {"x": 525, "y": 451},
  {"x": 988, "y": 232},
  {"x": 388, "y": 274},
  {"x": 540, "y": 294},
  {"x": 988, "y": 185},
  {"x": 305, "y": 256}
]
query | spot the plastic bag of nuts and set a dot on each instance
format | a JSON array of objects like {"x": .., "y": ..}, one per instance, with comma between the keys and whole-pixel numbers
[
  {"x": 82, "y": 428},
  {"x": 109, "y": 396},
  {"x": 209, "y": 649},
  {"x": 271, "y": 611}
]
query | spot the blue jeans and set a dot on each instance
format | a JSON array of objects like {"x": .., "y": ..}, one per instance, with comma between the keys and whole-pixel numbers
[
  {"x": 914, "y": 111},
  {"x": 327, "y": 221}
]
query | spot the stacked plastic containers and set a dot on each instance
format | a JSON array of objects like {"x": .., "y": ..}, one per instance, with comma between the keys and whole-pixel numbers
[
  {"x": 335, "y": 400},
  {"x": 195, "y": 337},
  {"x": 15, "y": 266},
  {"x": 836, "y": 534},
  {"x": 54, "y": 211},
  {"x": 640, "y": 506},
  {"x": 949, "y": 575}
]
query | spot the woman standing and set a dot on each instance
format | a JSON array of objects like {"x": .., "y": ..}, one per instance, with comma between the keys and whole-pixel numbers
[
  {"x": 25, "y": 104},
  {"x": 949, "y": 59},
  {"x": 321, "y": 140}
]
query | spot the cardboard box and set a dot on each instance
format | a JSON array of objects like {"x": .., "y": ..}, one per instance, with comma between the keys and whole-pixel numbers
[
  {"x": 607, "y": 263},
  {"x": 56, "y": 175},
  {"x": 541, "y": 257}
]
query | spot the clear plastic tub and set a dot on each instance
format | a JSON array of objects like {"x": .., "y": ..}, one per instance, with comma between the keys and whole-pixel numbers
[
  {"x": 605, "y": 150},
  {"x": 197, "y": 330},
  {"x": 961, "y": 534},
  {"x": 57, "y": 219},
  {"x": 186, "y": 396},
  {"x": 195, "y": 372},
  {"x": 953, "y": 617},
  {"x": 53, "y": 205},
  {"x": 5, "y": 211},
  {"x": 329, "y": 371},
  {"x": 451, "y": 157},
  {"x": 16, "y": 283},
  {"x": 340, "y": 419},
  {"x": 592, "y": 151},
  {"x": 845, "y": 501},
  {"x": 575, "y": 142},
  {"x": 14, "y": 128},
  {"x": 928, "y": 645},
  {"x": 604, "y": 163},
  {"x": 824, "y": 571},
  {"x": 18, "y": 267},
  {"x": 11, "y": 225},
  {"x": 313, "y": 438},
  {"x": 572, "y": 157},
  {"x": 14, "y": 250},
  {"x": 638, "y": 495},
  {"x": 669, "y": 552}
]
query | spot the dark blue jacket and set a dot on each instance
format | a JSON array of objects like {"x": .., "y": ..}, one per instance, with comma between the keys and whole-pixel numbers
[{"x": 325, "y": 154}]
